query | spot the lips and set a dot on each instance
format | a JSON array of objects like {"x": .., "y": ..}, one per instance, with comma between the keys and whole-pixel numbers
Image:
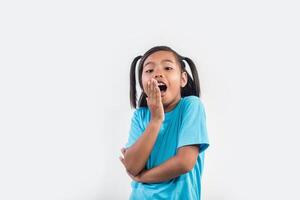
[{"x": 162, "y": 86}]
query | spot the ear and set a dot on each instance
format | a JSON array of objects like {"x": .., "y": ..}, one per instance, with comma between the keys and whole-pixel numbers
[{"x": 183, "y": 79}]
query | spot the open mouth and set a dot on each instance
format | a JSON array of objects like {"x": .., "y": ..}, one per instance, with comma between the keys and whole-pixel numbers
[{"x": 162, "y": 86}]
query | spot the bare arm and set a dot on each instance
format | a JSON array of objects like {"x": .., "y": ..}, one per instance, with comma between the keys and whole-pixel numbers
[
  {"x": 136, "y": 156},
  {"x": 182, "y": 163}
]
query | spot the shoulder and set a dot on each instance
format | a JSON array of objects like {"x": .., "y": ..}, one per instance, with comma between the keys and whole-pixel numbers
[
  {"x": 193, "y": 108},
  {"x": 192, "y": 101}
]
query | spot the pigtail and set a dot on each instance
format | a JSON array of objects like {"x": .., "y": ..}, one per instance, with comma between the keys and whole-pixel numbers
[
  {"x": 193, "y": 85},
  {"x": 133, "y": 82}
]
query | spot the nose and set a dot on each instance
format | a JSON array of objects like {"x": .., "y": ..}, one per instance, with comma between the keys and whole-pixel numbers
[
  {"x": 158, "y": 76},
  {"x": 158, "y": 73}
]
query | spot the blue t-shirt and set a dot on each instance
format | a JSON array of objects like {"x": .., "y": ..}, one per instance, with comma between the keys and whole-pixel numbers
[{"x": 184, "y": 125}]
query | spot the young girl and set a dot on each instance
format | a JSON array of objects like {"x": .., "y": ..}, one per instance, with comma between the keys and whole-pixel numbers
[{"x": 164, "y": 154}]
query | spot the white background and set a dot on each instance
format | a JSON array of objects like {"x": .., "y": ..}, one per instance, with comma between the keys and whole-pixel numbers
[{"x": 64, "y": 94}]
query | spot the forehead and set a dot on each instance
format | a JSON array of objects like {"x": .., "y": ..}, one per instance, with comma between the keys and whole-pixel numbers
[{"x": 160, "y": 57}]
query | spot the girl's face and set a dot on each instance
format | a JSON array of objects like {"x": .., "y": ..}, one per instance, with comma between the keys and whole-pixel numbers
[{"x": 163, "y": 66}]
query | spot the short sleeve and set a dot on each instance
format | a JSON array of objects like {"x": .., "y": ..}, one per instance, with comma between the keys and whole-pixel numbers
[
  {"x": 135, "y": 129},
  {"x": 193, "y": 127}
]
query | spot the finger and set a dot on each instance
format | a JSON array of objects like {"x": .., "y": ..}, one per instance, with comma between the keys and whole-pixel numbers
[
  {"x": 154, "y": 83},
  {"x": 157, "y": 96},
  {"x": 156, "y": 91},
  {"x": 151, "y": 89},
  {"x": 147, "y": 88}
]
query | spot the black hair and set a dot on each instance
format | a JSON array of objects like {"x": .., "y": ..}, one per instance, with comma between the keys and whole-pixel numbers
[{"x": 191, "y": 88}]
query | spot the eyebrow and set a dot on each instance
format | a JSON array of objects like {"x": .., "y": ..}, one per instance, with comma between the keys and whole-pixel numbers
[{"x": 165, "y": 60}]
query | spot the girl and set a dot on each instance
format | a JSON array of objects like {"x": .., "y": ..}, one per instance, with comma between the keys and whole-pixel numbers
[{"x": 164, "y": 154}]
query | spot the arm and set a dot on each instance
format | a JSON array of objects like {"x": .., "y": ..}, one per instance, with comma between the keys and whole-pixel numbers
[
  {"x": 136, "y": 156},
  {"x": 181, "y": 163}
]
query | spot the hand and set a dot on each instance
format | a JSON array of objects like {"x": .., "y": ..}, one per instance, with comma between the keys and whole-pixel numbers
[
  {"x": 154, "y": 101},
  {"x": 137, "y": 178}
]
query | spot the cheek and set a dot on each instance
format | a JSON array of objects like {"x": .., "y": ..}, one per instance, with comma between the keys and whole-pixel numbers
[
  {"x": 144, "y": 82},
  {"x": 175, "y": 82}
]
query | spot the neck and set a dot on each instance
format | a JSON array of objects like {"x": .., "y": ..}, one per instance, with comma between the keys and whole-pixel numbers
[{"x": 170, "y": 106}]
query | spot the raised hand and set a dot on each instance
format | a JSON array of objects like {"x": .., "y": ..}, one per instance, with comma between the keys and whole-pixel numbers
[{"x": 154, "y": 101}]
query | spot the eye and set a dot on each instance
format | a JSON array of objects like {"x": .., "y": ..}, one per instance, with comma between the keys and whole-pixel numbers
[
  {"x": 149, "y": 70},
  {"x": 168, "y": 68}
]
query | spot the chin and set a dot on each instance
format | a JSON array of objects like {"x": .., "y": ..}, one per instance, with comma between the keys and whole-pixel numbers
[{"x": 166, "y": 99}]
